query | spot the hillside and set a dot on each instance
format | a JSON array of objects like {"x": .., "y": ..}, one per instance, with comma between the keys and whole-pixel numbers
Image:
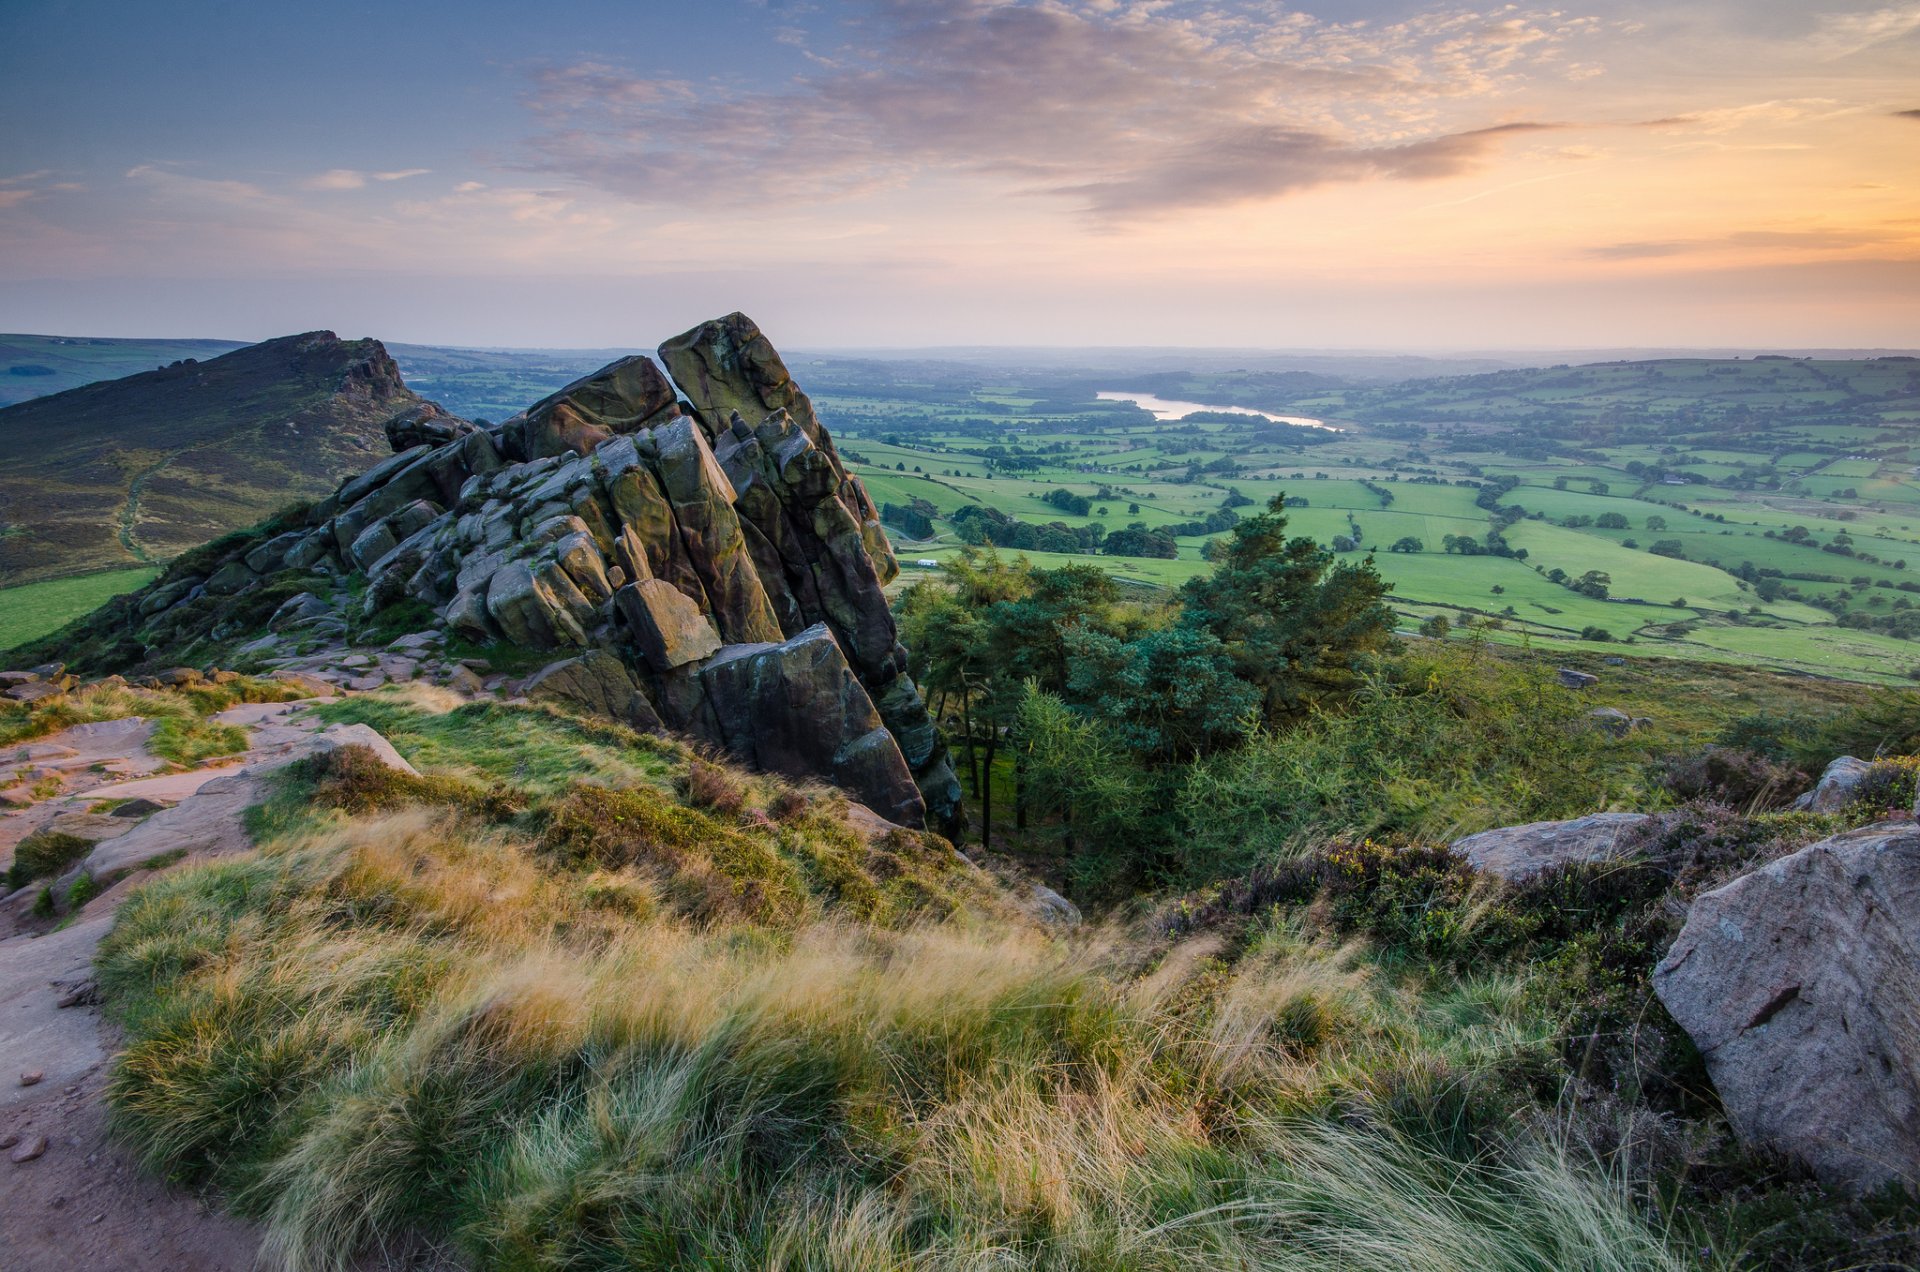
[
  {"x": 125, "y": 472},
  {"x": 37, "y": 366}
]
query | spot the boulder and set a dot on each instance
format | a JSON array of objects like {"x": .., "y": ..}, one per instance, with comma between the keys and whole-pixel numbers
[
  {"x": 1516, "y": 852},
  {"x": 231, "y": 578},
  {"x": 669, "y": 629},
  {"x": 312, "y": 686},
  {"x": 1800, "y": 984},
  {"x": 428, "y": 424},
  {"x": 596, "y": 682},
  {"x": 1611, "y": 720},
  {"x": 1576, "y": 679},
  {"x": 1838, "y": 786},
  {"x": 627, "y": 396},
  {"x": 797, "y": 708}
]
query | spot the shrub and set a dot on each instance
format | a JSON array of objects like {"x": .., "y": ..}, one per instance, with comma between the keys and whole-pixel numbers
[
  {"x": 1730, "y": 775},
  {"x": 714, "y": 788}
]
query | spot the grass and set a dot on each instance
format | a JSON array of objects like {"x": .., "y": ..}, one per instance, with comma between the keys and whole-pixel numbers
[
  {"x": 33, "y": 610},
  {"x": 187, "y": 741},
  {"x": 686, "y": 1017},
  {"x": 43, "y": 854},
  {"x": 408, "y": 1024},
  {"x": 669, "y": 1014},
  {"x": 954, "y": 441}
]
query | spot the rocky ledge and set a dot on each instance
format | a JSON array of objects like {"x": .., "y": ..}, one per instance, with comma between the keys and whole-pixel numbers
[{"x": 692, "y": 547}]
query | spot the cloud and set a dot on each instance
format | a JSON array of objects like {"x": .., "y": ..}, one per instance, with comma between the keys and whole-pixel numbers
[
  {"x": 1906, "y": 114},
  {"x": 353, "y": 179},
  {"x": 1815, "y": 240},
  {"x": 1126, "y": 109},
  {"x": 1844, "y": 34},
  {"x": 1726, "y": 119}
]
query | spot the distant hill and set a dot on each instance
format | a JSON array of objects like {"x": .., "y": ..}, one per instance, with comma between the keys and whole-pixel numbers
[
  {"x": 138, "y": 469},
  {"x": 1760, "y": 389},
  {"x": 36, "y": 366}
]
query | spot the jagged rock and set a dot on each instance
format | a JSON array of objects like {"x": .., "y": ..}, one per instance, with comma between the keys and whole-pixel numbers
[
  {"x": 611, "y": 517},
  {"x": 670, "y": 629},
  {"x": 428, "y": 424},
  {"x": 797, "y": 708},
  {"x": 596, "y": 681},
  {"x": 1800, "y": 984},
  {"x": 623, "y": 397},
  {"x": 1515, "y": 852},
  {"x": 1838, "y": 786},
  {"x": 1576, "y": 679}
]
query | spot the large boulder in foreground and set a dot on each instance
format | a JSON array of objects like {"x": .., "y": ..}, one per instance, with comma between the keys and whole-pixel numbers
[
  {"x": 1515, "y": 852},
  {"x": 1800, "y": 984}
]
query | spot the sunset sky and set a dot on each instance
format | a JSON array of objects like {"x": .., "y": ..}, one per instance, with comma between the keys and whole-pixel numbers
[{"x": 1343, "y": 174}]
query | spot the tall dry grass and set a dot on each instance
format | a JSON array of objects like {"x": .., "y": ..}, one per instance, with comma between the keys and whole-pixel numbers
[{"x": 417, "y": 1025}]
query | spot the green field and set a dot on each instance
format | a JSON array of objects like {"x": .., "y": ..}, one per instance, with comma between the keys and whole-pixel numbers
[
  {"x": 33, "y": 610},
  {"x": 1742, "y": 512}
]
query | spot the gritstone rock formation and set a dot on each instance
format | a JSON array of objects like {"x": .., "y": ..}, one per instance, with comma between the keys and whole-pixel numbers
[{"x": 706, "y": 559}]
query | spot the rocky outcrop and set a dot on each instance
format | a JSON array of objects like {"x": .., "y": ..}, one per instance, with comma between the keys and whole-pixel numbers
[
  {"x": 704, "y": 564},
  {"x": 1515, "y": 852},
  {"x": 1800, "y": 984}
]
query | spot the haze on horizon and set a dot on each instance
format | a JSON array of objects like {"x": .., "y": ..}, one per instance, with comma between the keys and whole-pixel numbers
[{"x": 1351, "y": 173}]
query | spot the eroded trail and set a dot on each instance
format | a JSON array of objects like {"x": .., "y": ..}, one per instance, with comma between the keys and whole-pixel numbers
[{"x": 73, "y": 1199}]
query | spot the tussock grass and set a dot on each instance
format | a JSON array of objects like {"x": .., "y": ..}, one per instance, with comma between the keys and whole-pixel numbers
[
  {"x": 691, "y": 1018},
  {"x": 413, "y": 1021}
]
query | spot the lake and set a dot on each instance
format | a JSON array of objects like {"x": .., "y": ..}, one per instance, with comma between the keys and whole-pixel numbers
[{"x": 1166, "y": 409}]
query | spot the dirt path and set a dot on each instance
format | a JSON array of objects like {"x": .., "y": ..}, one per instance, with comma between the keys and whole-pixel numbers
[{"x": 71, "y": 1199}]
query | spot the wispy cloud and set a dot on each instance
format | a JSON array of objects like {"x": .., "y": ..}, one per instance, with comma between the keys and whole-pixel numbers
[
  {"x": 354, "y": 179},
  {"x": 1126, "y": 109},
  {"x": 1818, "y": 239},
  {"x": 1906, "y": 114},
  {"x": 1844, "y": 34}
]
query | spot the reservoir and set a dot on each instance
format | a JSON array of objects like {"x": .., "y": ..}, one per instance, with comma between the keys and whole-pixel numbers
[{"x": 1165, "y": 409}]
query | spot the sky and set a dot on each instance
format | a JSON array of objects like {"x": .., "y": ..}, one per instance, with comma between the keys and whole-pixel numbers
[{"x": 1362, "y": 174}]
